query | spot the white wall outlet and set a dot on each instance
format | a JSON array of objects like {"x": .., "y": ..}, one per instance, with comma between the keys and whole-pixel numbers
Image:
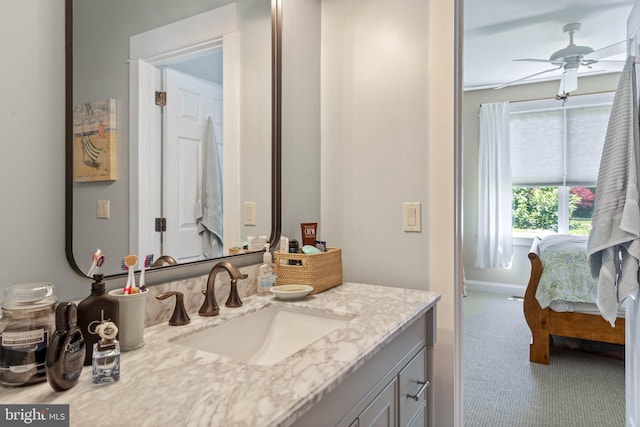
[
  {"x": 412, "y": 216},
  {"x": 102, "y": 210},
  {"x": 249, "y": 213}
]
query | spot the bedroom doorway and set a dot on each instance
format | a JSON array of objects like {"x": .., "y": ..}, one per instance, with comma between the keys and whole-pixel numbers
[{"x": 491, "y": 319}]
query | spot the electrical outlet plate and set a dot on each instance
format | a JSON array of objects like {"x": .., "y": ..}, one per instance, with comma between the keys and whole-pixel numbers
[
  {"x": 412, "y": 216},
  {"x": 102, "y": 210}
]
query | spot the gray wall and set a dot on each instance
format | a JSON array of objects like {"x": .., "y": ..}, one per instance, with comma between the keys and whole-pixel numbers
[
  {"x": 375, "y": 136},
  {"x": 300, "y": 116},
  {"x": 387, "y": 127},
  {"x": 32, "y": 122},
  {"x": 517, "y": 276}
]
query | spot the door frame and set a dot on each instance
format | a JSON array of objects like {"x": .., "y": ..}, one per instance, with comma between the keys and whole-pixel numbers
[{"x": 192, "y": 35}]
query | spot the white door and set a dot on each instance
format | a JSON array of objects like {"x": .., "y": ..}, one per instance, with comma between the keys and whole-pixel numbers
[{"x": 190, "y": 102}]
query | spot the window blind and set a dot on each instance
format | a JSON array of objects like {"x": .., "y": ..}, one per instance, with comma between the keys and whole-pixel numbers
[{"x": 558, "y": 147}]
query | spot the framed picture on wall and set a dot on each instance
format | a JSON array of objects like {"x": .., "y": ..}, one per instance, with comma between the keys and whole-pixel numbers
[{"x": 95, "y": 141}]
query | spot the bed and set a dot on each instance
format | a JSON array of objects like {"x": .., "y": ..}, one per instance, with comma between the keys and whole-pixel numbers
[{"x": 545, "y": 322}]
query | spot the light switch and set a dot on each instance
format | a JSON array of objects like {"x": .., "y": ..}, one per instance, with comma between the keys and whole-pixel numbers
[
  {"x": 412, "y": 216},
  {"x": 102, "y": 210},
  {"x": 249, "y": 213}
]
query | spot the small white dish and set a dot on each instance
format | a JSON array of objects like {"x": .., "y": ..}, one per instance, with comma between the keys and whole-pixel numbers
[{"x": 291, "y": 291}]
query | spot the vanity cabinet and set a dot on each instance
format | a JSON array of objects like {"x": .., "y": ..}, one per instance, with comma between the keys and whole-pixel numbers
[
  {"x": 390, "y": 390},
  {"x": 359, "y": 374},
  {"x": 401, "y": 401}
]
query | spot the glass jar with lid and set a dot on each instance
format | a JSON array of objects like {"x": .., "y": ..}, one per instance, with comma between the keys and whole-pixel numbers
[{"x": 26, "y": 325}]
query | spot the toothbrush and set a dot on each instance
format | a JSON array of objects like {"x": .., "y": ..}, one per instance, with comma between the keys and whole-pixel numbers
[
  {"x": 148, "y": 260},
  {"x": 128, "y": 262},
  {"x": 124, "y": 267},
  {"x": 99, "y": 263},
  {"x": 95, "y": 257}
]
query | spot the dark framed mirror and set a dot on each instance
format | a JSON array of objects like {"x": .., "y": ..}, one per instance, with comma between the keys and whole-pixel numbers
[{"x": 104, "y": 207}]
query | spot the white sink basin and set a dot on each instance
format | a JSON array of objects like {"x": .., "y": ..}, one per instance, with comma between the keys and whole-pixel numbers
[{"x": 265, "y": 337}]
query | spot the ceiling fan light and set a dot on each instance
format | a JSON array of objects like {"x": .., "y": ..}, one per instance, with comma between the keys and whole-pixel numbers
[{"x": 569, "y": 81}]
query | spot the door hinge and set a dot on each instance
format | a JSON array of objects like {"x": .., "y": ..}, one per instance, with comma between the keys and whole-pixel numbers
[
  {"x": 161, "y": 98},
  {"x": 161, "y": 224}
]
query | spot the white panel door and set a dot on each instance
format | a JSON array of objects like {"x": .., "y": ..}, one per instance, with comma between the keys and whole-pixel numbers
[{"x": 190, "y": 101}]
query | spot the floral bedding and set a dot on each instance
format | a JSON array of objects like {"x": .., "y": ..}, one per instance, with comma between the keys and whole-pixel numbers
[{"x": 565, "y": 273}]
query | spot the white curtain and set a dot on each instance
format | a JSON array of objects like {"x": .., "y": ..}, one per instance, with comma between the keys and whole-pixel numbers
[{"x": 495, "y": 248}]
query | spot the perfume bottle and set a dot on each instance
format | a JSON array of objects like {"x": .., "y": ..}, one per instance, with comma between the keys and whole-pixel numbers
[
  {"x": 106, "y": 355},
  {"x": 65, "y": 353}
]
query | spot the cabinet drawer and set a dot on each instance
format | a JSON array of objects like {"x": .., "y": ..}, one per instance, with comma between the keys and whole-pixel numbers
[{"x": 412, "y": 385}]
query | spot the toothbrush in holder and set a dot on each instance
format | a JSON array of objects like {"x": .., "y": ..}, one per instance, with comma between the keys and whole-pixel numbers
[
  {"x": 148, "y": 260},
  {"x": 94, "y": 265},
  {"x": 98, "y": 269},
  {"x": 128, "y": 262}
]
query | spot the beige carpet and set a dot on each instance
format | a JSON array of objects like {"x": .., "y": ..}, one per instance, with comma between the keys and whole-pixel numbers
[{"x": 502, "y": 388}]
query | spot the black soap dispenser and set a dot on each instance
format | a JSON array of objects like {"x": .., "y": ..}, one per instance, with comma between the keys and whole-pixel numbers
[
  {"x": 96, "y": 308},
  {"x": 66, "y": 350}
]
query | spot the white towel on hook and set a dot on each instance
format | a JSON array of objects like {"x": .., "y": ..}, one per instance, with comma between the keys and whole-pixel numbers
[
  {"x": 209, "y": 217},
  {"x": 613, "y": 249}
]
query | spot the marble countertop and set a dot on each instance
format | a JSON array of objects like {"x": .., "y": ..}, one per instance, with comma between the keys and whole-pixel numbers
[{"x": 164, "y": 383}]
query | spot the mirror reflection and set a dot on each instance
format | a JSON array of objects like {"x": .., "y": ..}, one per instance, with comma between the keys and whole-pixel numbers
[{"x": 170, "y": 179}]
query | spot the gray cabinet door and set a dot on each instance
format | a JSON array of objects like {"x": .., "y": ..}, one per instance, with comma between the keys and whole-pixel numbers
[{"x": 382, "y": 412}]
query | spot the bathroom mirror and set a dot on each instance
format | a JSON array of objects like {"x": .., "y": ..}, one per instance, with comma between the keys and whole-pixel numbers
[{"x": 129, "y": 172}]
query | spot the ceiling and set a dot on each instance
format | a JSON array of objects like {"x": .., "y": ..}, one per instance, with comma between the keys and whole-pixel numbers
[{"x": 498, "y": 31}]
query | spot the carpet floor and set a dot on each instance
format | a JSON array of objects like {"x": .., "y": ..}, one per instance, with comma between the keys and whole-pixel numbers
[{"x": 502, "y": 388}]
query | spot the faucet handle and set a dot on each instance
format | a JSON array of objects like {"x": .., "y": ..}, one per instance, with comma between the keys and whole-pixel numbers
[{"x": 179, "y": 316}]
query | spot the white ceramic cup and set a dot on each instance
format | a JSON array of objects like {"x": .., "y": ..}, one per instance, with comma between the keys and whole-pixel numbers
[{"x": 131, "y": 317}]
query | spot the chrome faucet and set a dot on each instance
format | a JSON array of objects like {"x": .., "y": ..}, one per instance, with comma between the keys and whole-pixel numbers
[{"x": 210, "y": 306}]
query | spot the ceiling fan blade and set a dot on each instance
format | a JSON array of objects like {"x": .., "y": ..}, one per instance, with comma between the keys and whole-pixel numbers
[
  {"x": 527, "y": 77},
  {"x": 608, "y": 51},
  {"x": 569, "y": 81},
  {"x": 610, "y": 61},
  {"x": 533, "y": 60}
]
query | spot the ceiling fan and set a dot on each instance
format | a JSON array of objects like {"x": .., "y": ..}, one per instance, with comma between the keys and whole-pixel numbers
[{"x": 571, "y": 58}]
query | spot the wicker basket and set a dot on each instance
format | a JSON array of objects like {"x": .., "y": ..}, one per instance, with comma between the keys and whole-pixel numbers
[{"x": 321, "y": 271}]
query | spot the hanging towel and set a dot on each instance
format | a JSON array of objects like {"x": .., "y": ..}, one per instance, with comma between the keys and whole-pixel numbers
[
  {"x": 209, "y": 205},
  {"x": 613, "y": 249}
]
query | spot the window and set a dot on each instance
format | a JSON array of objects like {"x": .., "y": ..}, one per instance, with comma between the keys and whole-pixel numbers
[
  {"x": 555, "y": 156},
  {"x": 537, "y": 209}
]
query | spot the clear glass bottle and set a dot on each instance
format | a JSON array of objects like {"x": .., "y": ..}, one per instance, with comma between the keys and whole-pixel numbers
[
  {"x": 106, "y": 355},
  {"x": 26, "y": 326}
]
